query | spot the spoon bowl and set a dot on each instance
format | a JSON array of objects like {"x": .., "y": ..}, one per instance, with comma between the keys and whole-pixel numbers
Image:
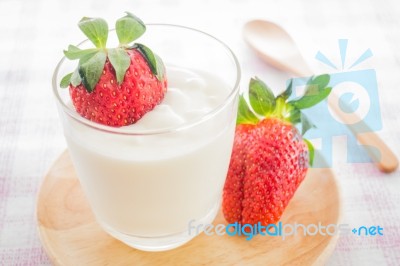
[{"x": 275, "y": 46}]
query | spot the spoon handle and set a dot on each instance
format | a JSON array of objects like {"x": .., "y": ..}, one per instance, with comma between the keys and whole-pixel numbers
[
  {"x": 378, "y": 151},
  {"x": 376, "y": 148}
]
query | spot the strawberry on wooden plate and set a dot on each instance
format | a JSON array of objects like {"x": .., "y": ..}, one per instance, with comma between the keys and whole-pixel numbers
[{"x": 269, "y": 158}]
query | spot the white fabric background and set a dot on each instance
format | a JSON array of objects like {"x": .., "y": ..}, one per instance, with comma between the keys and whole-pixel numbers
[{"x": 34, "y": 33}]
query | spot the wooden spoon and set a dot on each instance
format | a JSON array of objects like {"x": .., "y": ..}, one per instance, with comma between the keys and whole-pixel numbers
[{"x": 275, "y": 46}]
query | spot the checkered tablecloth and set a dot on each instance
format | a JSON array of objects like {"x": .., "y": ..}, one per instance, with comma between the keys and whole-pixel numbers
[{"x": 34, "y": 33}]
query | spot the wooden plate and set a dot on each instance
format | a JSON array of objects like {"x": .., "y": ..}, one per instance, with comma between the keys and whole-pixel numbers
[{"x": 71, "y": 236}]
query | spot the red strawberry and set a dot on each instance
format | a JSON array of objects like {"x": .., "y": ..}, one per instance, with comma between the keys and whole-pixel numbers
[
  {"x": 269, "y": 158},
  {"x": 115, "y": 87}
]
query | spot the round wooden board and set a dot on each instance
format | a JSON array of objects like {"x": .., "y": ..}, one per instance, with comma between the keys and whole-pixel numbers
[{"x": 71, "y": 236}]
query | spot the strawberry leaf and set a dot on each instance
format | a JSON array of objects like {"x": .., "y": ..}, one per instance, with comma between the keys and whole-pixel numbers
[
  {"x": 71, "y": 78},
  {"x": 316, "y": 91},
  {"x": 91, "y": 68},
  {"x": 311, "y": 99},
  {"x": 120, "y": 60},
  {"x": 155, "y": 63},
  {"x": 129, "y": 28},
  {"x": 306, "y": 124},
  {"x": 245, "y": 115},
  {"x": 286, "y": 94},
  {"x": 311, "y": 151},
  {"x": 322, "y": 81},
  {"x": 64, "y": 83},
  {"x": 96, "y": 29},
  {"x": 74, "y": 52},
  {"x": 295, "y": 116},
  {"x": 75, "y": 78},
  {"x": 160, "y": 68},
  {"x": 261, "y": 98}
]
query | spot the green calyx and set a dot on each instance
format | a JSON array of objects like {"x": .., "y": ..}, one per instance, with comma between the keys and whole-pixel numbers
[
  {"x": 92, "y": 60},
  {"x": 265, "y": 105},
  {"x": 155, "y": 62}
]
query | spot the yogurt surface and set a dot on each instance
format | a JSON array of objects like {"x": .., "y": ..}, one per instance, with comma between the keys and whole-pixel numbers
[{"x": 190, "y": 96}]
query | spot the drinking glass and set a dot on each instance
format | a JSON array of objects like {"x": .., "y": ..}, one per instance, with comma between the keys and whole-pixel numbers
[{"x": 146, "y": 186}]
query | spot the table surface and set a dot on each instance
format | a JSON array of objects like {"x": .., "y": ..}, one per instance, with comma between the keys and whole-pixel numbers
[{"x": 33, "y": 34}]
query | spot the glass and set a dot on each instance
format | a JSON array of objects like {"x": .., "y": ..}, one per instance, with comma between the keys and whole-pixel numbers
[{"x": 146, "y": 186}]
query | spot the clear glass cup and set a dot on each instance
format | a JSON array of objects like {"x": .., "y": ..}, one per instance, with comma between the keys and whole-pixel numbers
[{"x": 145, "y": 187}]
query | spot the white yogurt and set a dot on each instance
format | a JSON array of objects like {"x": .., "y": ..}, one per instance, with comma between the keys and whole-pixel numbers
[{"x": 154, "y": 185}]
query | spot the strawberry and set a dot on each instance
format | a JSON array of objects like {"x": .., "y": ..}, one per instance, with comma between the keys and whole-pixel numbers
[
  {"x": 117, "y": 86},
  {"x": 269, "y": 158}
]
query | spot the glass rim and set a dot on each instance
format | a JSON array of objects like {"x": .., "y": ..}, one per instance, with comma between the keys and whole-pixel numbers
[{"x": 117, "y": 130}]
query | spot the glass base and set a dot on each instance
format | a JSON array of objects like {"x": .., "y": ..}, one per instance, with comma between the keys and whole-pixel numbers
[{"x": 164, "y": 242}]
